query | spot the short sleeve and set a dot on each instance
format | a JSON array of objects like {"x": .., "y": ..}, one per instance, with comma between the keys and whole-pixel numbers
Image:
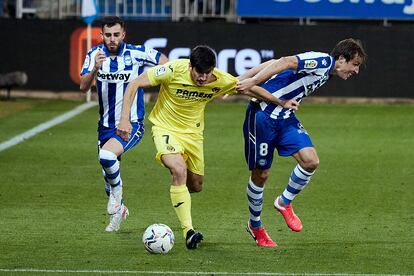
[{"x": 161, "y": 74}]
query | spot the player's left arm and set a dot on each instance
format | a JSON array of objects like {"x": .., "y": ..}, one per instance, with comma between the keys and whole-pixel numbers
[
  {"x": 163, "y": 59},
  {"x": 262, "y": 94},
  {"x": 155, "y": 57}
]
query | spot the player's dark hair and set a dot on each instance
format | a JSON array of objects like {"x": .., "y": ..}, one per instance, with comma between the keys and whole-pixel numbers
[
  {"x": 203, "y": 58},
  {"x": 348, "y": 48},
  {"x": 110, "y": 21}
]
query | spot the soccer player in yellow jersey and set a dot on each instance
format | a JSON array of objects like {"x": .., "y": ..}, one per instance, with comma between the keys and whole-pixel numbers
[{"x": 186, "y": 86}]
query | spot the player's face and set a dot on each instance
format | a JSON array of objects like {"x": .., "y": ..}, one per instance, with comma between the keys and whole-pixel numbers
[
  {"x": 200, "y": 78},
  {"x": 348, "y": 68},
  {"x": 113, "y": 37}
]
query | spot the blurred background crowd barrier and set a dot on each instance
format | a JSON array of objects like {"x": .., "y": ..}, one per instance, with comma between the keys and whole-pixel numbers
[{"x": 47, "y": 39}]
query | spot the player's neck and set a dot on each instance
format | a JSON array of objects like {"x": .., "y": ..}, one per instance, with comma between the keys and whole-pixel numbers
[{"x": 211, "y": 79}]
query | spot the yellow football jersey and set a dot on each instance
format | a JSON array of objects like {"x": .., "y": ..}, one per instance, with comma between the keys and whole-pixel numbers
[{"x": 180, "y": 104}]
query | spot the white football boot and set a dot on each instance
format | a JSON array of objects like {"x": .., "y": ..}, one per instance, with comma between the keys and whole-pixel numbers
[
  {"x": 117, "y": 218},
  {"x": 114, "y": 200}
]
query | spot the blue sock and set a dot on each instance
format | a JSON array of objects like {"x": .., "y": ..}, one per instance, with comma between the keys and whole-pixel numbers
[
  {"x": 110, "y": 166},
  {"x": 297, "y": 182},
  {"x": 255, "y": 198}
]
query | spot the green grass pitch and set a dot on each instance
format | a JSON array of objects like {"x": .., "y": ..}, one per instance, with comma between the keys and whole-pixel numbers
[{"x": 358, "y": 210}]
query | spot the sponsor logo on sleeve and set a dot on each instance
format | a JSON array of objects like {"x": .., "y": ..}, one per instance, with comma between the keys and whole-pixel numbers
[
  {"x": 87, "y": 61},
  {"x": 310, "y": 64},
  {"x": 160, "y": 71}
]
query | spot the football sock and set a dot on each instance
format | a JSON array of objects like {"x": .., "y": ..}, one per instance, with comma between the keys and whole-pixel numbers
[
  {"x": 107, "y": 185},
  {"x": 297, "y": 182},
  {"x": 181, "y": 202},
  {"x": 255, "y": 198},
  {"x": 110, "y": 165}
]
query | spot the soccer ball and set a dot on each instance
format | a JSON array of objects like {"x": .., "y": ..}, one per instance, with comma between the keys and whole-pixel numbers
[{"x": 158, "y": 239}]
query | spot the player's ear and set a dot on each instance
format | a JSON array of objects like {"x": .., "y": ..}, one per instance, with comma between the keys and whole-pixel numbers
[{"x": 341, "y": 59}]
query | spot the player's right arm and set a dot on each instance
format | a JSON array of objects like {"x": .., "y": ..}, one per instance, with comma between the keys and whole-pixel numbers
[
  {"x": 273, "y": 67},
  {"x": 124, "y": 127},
  {"x": 88, "y": 78}
]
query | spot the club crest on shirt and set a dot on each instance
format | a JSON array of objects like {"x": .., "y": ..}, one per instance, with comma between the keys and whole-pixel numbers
[
  {"x": 310, "y": 64},
  {"x": 127, "y": 59},
  {"x": 160, "y": 71}
]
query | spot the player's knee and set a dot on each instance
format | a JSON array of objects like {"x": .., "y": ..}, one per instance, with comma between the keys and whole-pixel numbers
[
  {"x": 195, "y": 186},
  {"x": 195, "y": 183},
  {"x": 259, "y": 177},
  {"x": 107, "y": 158},
  {"x": 311, "y": 165},
  {"x": 179, "y": 172}
]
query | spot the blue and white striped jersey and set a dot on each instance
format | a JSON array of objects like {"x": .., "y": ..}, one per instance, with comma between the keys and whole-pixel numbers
[
  {"x": 313, "y": 71},
  {"x": 114, "y": 76}
]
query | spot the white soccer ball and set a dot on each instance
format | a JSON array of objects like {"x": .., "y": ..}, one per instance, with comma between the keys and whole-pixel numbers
[{"x": 158, "y": 239}]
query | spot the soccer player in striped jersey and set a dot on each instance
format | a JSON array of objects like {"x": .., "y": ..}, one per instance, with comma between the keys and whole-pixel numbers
[
  {"x": 113, "y": 65},
  {"x": 269, "y": 126},
  {"x": 186, "y": 86}
]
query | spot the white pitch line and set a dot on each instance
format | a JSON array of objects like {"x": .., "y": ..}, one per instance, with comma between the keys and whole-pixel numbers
[
  {"x": 42, "y": 127},
  {"x": 28, "y": 270}
]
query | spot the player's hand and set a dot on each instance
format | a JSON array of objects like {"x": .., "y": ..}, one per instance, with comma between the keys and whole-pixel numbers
[
  {"x": 292, "y": 104},
  {"x": 99, "y": 59},
  {"x": 245, "y": 85},
  {"x": 124, "y": 130}
]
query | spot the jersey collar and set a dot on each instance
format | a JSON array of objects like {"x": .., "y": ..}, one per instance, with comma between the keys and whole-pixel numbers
[{"x": 120, "y": 50}]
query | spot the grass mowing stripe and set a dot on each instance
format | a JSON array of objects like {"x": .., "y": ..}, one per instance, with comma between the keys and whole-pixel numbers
[
  {"x": 357, "y": 212},
  {"x": 25, "y": 270},
  {"x": 42, "y": 127}
]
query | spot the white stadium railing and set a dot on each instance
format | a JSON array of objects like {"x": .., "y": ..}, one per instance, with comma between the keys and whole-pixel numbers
[{"x": 174, "y": 10}]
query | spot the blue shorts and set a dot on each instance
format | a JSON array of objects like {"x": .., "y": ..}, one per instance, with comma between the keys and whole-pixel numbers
[
  {"x": 104, "y": 134},
  {"x": 263, "y": 134}
]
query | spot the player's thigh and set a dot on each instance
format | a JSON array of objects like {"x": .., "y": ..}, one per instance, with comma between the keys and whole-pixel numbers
[
  {"x": 259, "y": 135},
  {"x": 292, "y": 138},
  {"x": 166, "y": 142},
  {"x": 194, "y": 150}
]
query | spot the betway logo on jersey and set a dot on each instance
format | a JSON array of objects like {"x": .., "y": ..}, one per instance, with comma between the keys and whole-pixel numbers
[
  {"x": 199, "y": 96},
  {"x": 114, "y": 76}
]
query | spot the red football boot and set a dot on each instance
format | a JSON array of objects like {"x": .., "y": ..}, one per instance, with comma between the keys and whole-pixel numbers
[
  {"x": 260, "y": 236},
  {"x": 291, "y": 219}
]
